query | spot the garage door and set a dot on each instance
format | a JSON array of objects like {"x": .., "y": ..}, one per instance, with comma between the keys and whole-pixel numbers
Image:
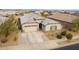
[{"x": 27, "y": 29}]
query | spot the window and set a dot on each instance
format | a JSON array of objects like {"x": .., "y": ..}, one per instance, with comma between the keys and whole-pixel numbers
[
  {"x": 52, "y": 28},
  {"x": 30, "y": 26}
]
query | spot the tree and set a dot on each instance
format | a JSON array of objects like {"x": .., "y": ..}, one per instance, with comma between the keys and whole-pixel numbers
[
  {"x": 75, "y": 23},
  {"x": 8, "y": 27},
  {"x": 69, "y": 36},
  {"x": 45, "y": 13}
]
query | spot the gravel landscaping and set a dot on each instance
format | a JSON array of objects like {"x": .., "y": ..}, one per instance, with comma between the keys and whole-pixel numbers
[{"x": 12, "y": 39}]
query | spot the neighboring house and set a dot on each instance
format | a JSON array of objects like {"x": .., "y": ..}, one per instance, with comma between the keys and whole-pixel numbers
[
  {"x": 6, "y": 12},
  {"x": 51, "y": 25},
  {"x": 34, "y": 22},
  {"x": 2, "y": 19},
  {"x": 38, "y": 12},
  {"x": 64, "y": 19}
]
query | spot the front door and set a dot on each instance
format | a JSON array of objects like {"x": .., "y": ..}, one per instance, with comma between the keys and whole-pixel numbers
[{"x": 40, "y": 26}]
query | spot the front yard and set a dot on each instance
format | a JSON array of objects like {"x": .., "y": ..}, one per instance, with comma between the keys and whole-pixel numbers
[
  {"x": 52, "y": 35},
  {"x": 12, "y": 39}
]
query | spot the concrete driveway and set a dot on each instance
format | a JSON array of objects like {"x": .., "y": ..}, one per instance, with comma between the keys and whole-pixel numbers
[
  {"x": 33, "y": 41},
  {"x": 32, "y": 37}
]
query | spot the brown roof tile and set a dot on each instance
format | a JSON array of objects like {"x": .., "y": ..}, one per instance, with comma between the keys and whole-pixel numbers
[{"x": 63, "y": 17}]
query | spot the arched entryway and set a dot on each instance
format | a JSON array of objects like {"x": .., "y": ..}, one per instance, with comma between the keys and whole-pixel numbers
[
  {"x": 19, "y": 24},
  {"x": 40, "y": 26}
]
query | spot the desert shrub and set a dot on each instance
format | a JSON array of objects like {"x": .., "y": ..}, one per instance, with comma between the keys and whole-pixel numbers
[
  {"x": 63, "y": 33},
  {"x": 69, "y": 36},
  {"x": 59, "y": 36},
  {"x": 15, "y": 39},
  {"x": 73, "y": 30},
  {"x": 4, "y": 40}
]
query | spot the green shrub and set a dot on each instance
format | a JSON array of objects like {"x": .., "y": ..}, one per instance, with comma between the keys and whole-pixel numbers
[
  {"x": 63, "y": 33},
  {"x": 59, "y": 36},
  {"x": 69, "y": 36}
]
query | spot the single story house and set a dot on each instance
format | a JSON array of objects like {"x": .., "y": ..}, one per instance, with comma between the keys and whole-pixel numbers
[
  {"x": 2, "y": 19},
  {"x": 35, "y": 22},
  {"x": 38, "y": 12},
  {"x": 6, "y": 12},
  {"x": 29, "y": 22},
  {"x": 64, "y": 19}
]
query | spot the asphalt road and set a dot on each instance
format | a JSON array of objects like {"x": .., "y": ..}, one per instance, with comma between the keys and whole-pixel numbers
[{"x": 71, "y": 47}]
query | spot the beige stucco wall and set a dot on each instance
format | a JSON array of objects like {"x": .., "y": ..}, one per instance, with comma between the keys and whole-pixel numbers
[
  {"x": 26, "y": 27},
  {"x": 47, "y": 27}
]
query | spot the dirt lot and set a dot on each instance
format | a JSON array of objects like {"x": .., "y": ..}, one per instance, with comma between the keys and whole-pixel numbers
[
  {"x": 11, "y": 40},
  {"x": 51, "y": 34}
]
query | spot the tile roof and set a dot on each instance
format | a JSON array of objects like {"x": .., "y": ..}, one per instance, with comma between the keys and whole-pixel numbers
[{"x": 63, "y": 17}]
